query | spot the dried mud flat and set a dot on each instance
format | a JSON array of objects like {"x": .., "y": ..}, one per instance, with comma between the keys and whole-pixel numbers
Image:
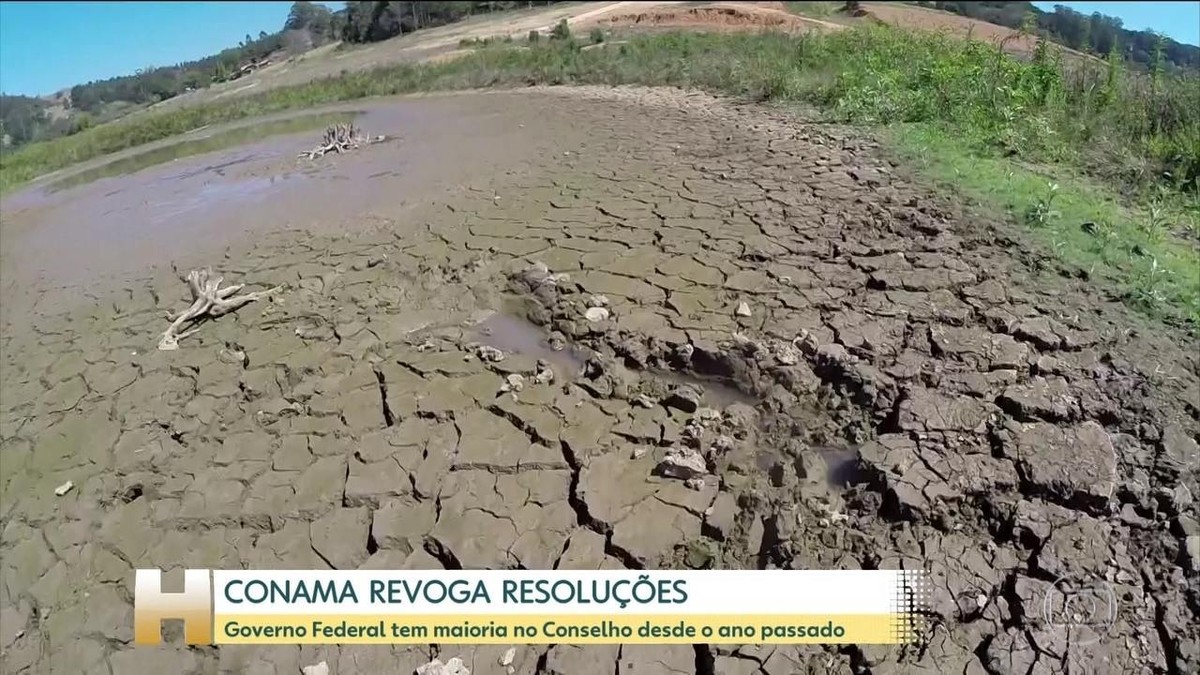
[{"x": 1009, "y": 437}]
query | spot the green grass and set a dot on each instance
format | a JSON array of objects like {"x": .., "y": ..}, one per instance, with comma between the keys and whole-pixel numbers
[
  {"x": 1145, "y": 253},
  {"x": 1119, "y": 146}
]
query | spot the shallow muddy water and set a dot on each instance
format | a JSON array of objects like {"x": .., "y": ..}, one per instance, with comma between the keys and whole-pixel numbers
[
  {"x": 213, "y": 142},
  {"x": 191, "y": 208},
  {"x": 510, "y": 333},
  {"x": 717, "y": 393}
]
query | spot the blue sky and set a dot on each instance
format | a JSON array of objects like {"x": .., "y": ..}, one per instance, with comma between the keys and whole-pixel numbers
[{"x": 49, "y": 46}]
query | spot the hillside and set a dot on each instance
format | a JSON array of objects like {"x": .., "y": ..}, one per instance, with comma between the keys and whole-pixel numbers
[{"x": 1096, "y": 33}]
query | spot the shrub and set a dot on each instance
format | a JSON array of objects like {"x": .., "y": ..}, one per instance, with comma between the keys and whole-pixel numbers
[{"x": 561, "y": 31}]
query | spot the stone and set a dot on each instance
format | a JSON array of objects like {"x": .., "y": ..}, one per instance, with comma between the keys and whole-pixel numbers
[
  {"x": 685, "y": 398},
  {"x": 596, "y": 314},
  {"x": 683, "y": 463},
  {"x": 64, "y": 488},
  {"x": 321, "y": 668},
  {"x": 786, "y": 353},
  {"x": 489, "y": 354},
  {"x": 514, "y": 382},
  {"x": 743, "y": 309},
  {"x": 1191, "y": 546},
  {"x": 1180, "y": 452}
]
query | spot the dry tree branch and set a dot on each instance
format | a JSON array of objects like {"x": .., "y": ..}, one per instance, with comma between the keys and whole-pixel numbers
[
  {"x": 209, "y": 301},
  {"x": 340, "y": 138}
]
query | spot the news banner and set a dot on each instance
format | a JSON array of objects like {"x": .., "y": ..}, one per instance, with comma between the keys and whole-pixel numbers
[{"x": 534, "y": 607}]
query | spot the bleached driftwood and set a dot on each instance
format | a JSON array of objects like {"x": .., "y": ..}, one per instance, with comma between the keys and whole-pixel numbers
[
  {"x": 209, "y": 301},
  {"x": 340, "y": 138}
]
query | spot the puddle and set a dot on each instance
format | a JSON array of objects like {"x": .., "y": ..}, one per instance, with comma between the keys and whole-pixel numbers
[
  {"x": 166, "y": 209},
  {"x": 513, "y": 334},
  {"x": 218, "y": 141},
  {"x": 841, "y": 465},
  {"x": 717, "y": 393}
]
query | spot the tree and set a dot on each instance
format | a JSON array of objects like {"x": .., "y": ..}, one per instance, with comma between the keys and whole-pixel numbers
[
  {"x": 372, "y": 21},
  {"x": 316, "y": 19},
  {"x": 300, "y": 16},
  {"x": 22, "y": 119}
]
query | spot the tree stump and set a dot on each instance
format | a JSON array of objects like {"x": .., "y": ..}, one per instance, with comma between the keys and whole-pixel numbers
[{"x": 209, "y": 301}]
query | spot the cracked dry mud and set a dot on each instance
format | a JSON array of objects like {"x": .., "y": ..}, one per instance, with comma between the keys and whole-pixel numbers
[{"x": 1000, "y": 432}]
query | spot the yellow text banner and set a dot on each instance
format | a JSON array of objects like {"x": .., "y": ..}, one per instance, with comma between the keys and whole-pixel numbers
[{"x": 560, "y": 629}]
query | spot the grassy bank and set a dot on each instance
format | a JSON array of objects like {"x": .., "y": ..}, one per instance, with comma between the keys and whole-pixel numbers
[
  {"x": 1145, "y": 253},
  {"x": 1132, "y": 141}
]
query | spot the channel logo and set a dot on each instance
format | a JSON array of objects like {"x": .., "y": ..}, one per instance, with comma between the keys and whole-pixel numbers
[
  {"x": 1086, "y": 610},
  {"x": 193, "y": 606}
]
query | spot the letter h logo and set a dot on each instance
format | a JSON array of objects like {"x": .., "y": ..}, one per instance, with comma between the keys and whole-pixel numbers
[{"x": 193, "y": 606}]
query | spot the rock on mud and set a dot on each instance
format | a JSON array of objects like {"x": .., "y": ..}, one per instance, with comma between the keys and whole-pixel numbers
[
  {"x": 786, "y": 353},
  {"x": 685, "y": 398},
  {"x": 538, "y": 274},
  {"x": 544, "y": 375},
  {"x": 1191, "y": 546},
  {"x": 684, "y": 464},
  {"x": 321, "y": 668},
  {"x": 489, "y": 354},
  {"x": 514, "y": 382},
  {"x": 596, "y": 314}
]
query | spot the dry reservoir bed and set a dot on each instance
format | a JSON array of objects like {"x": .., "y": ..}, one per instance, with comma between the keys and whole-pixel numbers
[{"x": 730, "y": 339}]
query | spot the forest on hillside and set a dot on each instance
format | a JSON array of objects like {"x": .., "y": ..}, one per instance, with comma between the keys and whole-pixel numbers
[{"x": 1093, "y": 33}]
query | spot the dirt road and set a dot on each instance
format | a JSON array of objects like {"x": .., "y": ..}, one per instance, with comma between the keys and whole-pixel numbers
[{"x": 1004, "y": 433}]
